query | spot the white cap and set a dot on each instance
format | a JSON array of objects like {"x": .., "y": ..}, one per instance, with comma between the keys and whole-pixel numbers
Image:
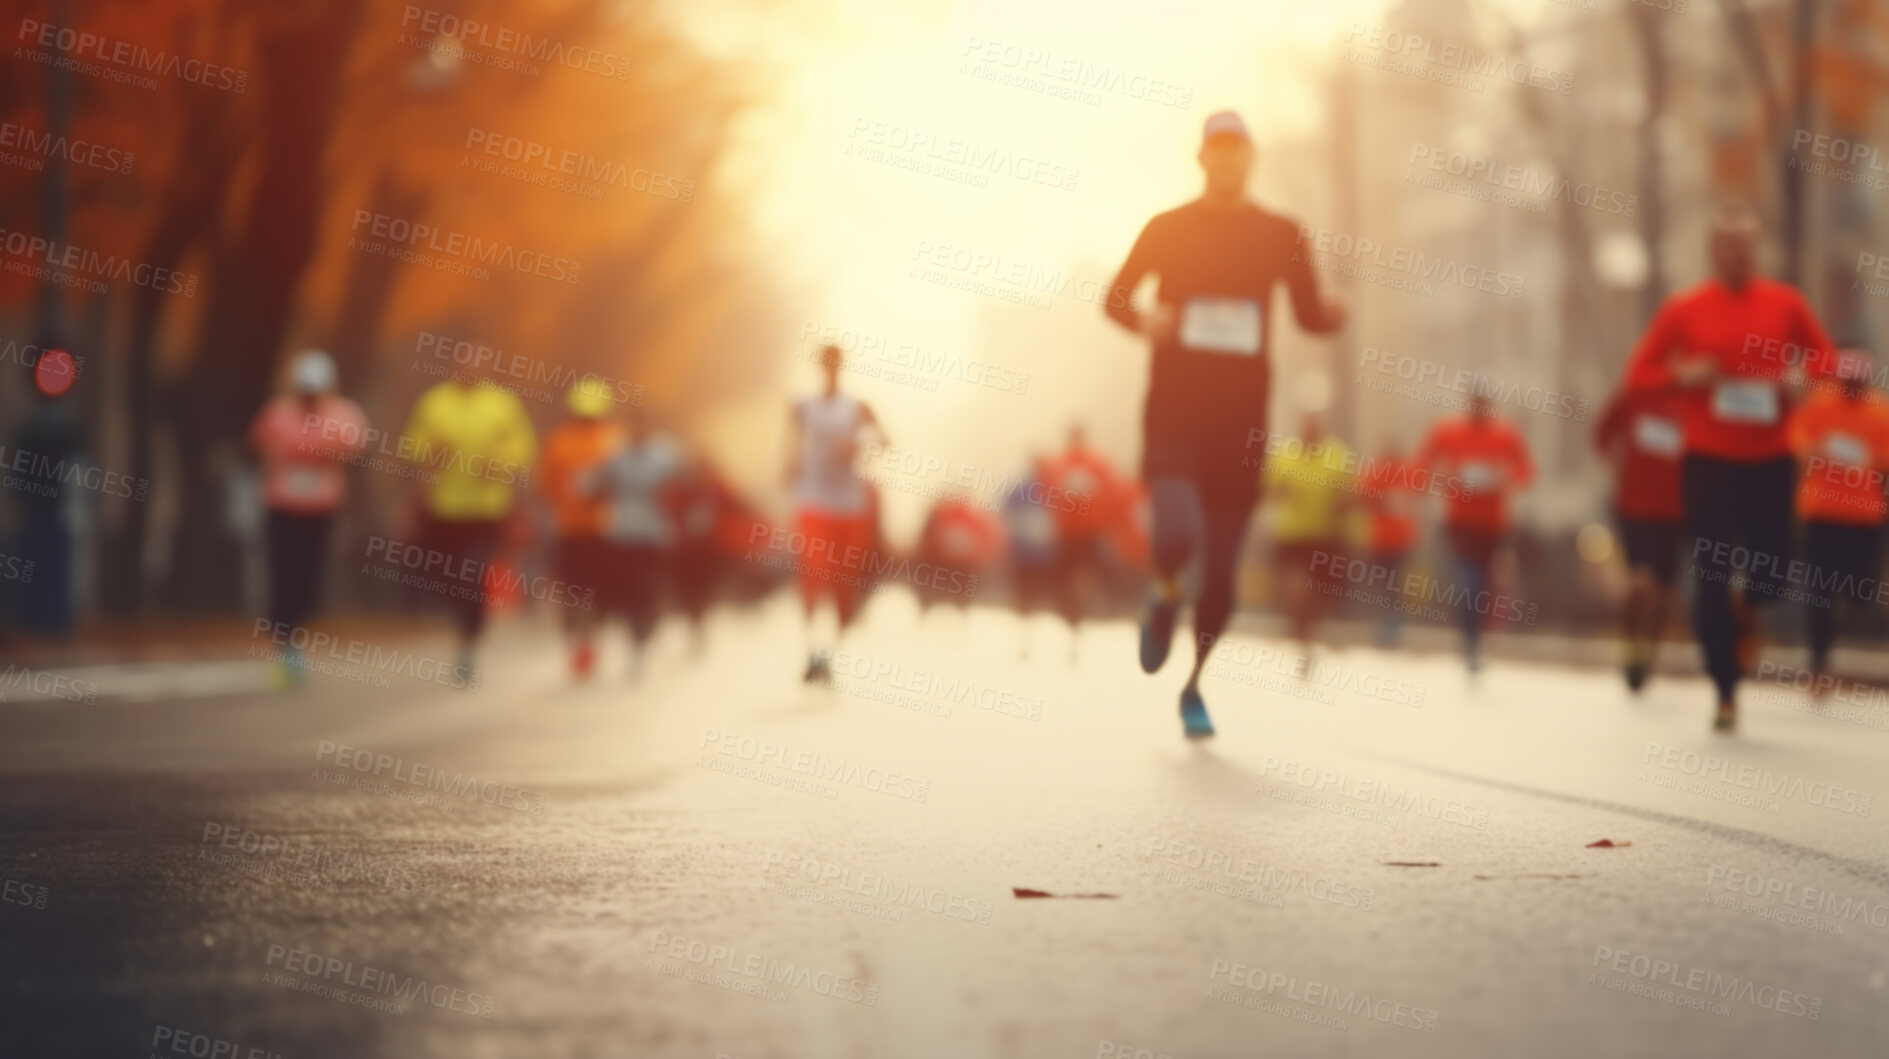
[
  {"x": 313, "y": 372},
  {"x": 1224, "y": 123}
]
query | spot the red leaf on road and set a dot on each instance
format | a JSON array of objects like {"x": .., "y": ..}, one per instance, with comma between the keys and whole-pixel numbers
[
  {"x": 1021, "y": 891},
  {"x": 1607, "y": 843}
]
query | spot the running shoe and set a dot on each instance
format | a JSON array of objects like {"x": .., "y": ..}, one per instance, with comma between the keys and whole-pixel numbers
[
  {"x": 583, "y": 660},
  {"x": 1157, "y": 630},
  {"x": 1637, "y": 667},
  {"x": 1194, "y": 719},
  {"x": 819, "y": 671},
  {"x": 1727, "y": 719}
]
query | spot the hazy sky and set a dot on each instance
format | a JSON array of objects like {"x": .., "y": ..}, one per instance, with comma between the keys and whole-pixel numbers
[{"x": 858, "y": 94}]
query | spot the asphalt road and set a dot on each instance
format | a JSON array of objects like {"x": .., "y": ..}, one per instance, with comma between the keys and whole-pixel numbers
[{"x": 1384, "y": 858}]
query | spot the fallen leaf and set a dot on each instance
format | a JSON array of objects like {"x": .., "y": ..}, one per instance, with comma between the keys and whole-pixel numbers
[
  {"x": 1607, "y": 843},
  {"x": 1411, "y": 864},
  {"x": 1022, "y": 891}
]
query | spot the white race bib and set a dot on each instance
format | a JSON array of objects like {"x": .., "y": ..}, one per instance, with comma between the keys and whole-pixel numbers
[
  {"x": 1751, "y": 401},
  {"x": 1478, "y": 475},
  {"x": 1033, "y": 525},
  {"x": 1847, "y": 449},
  {"x": 1658, "y": 435},
  {"x": 1221, "y": 325},
  {"x": 1080, "y": 483},
  {"x": 304, "y": 483}
]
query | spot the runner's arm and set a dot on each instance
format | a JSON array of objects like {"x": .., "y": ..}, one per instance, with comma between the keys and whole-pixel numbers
[
  {"x": 1317, "y": 312},
  {"x": 1797, "y": 429},
  {"x": 352, "y": 431},
  {"x": 867, "y": 419},
  {"x": 1612, "y": 421},
  {"x": 1651, "y": 365},
  {"x": 1521, "y": 465},
  {"x": 519, "y": 444},
  {"x": 1811, "y": 335},
  {"x": 1140, "y": 262}
]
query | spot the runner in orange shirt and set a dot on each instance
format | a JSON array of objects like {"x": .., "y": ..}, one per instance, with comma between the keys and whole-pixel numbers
[
  {"x": 1841, "y": 439},
  {"x": 1392, "y": 503},
  {"x": 581, "y": 557},
  {"x": 1487, "y": 457},
  {"x": 1642, "y": 435}
]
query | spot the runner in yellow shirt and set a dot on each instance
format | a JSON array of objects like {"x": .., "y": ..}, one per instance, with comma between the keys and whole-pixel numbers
[
  {"x": 476, "y": 445},
  {"x": 1310, "y": 487}
]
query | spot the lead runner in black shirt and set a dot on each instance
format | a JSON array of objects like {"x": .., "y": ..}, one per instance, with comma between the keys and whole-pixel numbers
[{"x": 1216, "y": 261}]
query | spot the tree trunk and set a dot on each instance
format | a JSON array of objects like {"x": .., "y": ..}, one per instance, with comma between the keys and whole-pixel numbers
[{"x": 251, "y": 294}]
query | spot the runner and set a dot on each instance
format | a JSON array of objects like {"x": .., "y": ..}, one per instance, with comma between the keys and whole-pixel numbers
[
  {"x": 1084, "y": 494},
  {"x": 1309, "y": 485},
  {"x": 705, "y": 507},
  {"x": 638, "y": 483},
  {"x": 1218, "y": 259},
  {"x": 1640, "y": 435},
  {"x": 1030, "y": 535},
  {"x": 303, "y": 439},
  {"x": 1392, "y": 503},
  {"x": 1487, "y": 457},
  {"x": 1841, "y": 439},
  {"x": 835, "y": 512},
  {"x": 477, "y": 444},
  {"x": 959, "y": 538},
  {"x": 581, "y": 557},
  {"x": 1726, "y": 343}
]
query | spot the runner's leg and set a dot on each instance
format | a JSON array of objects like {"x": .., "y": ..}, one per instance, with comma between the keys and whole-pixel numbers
[
  {"x": 1711, "y": 523},
  {"x": 1225, "y": 531},
  {"x": 1178, "y": 532}
]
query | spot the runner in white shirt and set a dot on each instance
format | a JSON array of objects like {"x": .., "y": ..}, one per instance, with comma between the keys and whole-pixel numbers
[{"x": 834, "y": 508}]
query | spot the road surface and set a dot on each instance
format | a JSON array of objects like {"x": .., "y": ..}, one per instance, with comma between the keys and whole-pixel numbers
[{"x": 1381, "y": 858}]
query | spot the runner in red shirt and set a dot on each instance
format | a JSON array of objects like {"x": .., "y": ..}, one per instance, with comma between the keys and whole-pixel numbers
[
  {"x": 958, "y": 538},
  {"x": 1488, "y": 457},
  {"x": 1218, "y": 260},
  {"x": 1388, "y": 496},
  {"x": 1841, "y": 439},
  {"x": 1084, "y": 494},
  {"x": 1727, "y": 344},
  {"x": 1642, "y": 434},
  {"x": 305, "y": 440}
]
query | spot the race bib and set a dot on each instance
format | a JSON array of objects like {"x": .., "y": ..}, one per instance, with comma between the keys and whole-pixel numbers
[
  {"x": 1080, "y": 483},
  {"x": 1221, "y": 325},
  {"x": 1846, "y": 449},
  {"x": 304, "y": 483},
  {"x": 638, "y": 522},
  {"x": 1657, "y": 435},
  {"x": 1753, "y": 402},
  {"x": 1478, "y": 475},
  {"x": 1033, "y": 526}
]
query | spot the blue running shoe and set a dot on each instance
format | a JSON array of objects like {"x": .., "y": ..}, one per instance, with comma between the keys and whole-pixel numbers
[
  {"x": 1157, "y": 632},
  {"x": 1194, "y": 717}
]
